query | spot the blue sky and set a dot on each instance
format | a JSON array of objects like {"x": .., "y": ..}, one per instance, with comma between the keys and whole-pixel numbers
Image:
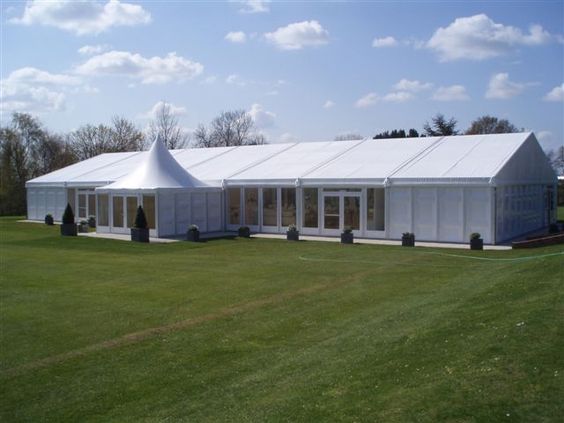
[{"x": 305, "y": 71}]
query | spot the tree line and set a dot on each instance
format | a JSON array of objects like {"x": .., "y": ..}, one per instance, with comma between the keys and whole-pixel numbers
[{"x": 28, "y": 149}]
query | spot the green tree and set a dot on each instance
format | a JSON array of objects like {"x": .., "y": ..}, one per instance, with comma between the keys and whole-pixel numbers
[
  {"x": 440, "y": 126},
  {"x": 490, "y": 125}
]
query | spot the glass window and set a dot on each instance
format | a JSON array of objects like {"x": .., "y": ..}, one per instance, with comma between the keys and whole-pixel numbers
[
  {"x": 331, "y": 212},
  {"x": 310, "y": 208},
  {"x": 91, "y": 205},
  {"x": 117, "y": 216},
  {"x": 131, "y": 211},
  {"x": 251, "y": 206},
  {"x": 352, "y": 212},
  {"x": 375, "y": 209},
  {"x": 149, "y": 209},
  {"x": 288, "y": 206},
  {"x": 269, "y": 207},
  {"x": 82, "y": 206},
  {"x": 103, "y": 212},
  {"x": 234, "y": 201}
]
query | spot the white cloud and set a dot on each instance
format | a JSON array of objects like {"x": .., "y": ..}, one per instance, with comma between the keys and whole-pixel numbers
[
  {"x": 209, "y": 80},
  {"x": 83, "y": 17},
  {"x": 33, "y": 90},
  {"x": 254, "y": 6},
  {"x": 90, "y": 50},
  {"x": 328, "y": 104},
  {"x": 298, "y": 35},
  {"x": 235, "y": 79},
  {"x": 237, "y": 37},
  {"x": 366, "y": 101},
  {"x": 287, "y": 137},
  {"x": 556, "y": 94},
  {"x": 262, "y": 118},
  {"x": 500, "y": 87},
  {"x": 384, "y": 42},
  {"x": 153, "y": 70},
  {"x": 451, "y": 93},
  {"x": 412, "y": 86},
  {"x": 159, "y": 105},
  {"x": 478, "y": 38},
  {"x": 398, "y": 97}
]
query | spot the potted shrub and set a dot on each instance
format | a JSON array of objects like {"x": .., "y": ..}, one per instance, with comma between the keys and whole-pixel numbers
[
  {"x": 49, "y": 219},
  {"x": 347, "y": 236},
  {"x": 244, "y": 232},
  {"x": 193, "y": 233},
  {"x": 68, "y": 227},
  {"x": 92, "y": 221},
  {"x": 292, "y": 234},
  {"x": 83, "y": 226},
  {"x": 140, "y": 230},
  {"x": 476, "y": 241},
  {"x": 408, "y": 239}
]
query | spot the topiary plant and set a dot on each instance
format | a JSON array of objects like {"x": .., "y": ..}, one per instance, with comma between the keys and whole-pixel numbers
[
  {"x": 475, "y": 235},
  {"x": 140, "y": 219},
  {"x": 68, "y": 215},
  {"x": 347, "y": 230},
  {"x": 49, "y": 219}
]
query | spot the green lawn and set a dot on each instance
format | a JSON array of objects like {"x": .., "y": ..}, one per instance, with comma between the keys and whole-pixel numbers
[
  {"x": 269, "y": 330},
  {"x": 560, "y": 214}
]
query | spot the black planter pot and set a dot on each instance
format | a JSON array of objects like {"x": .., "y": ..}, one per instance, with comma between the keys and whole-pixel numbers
[
  {"x": 140, "y": 234},
  {"x": 49, "y": 220},
  {"x": 83, "y": 227},
  {"x": 244, "y": 232},
  {"x": 293, "y": 235},
  {"x": 68, "y": 229},
  {"x": 347, "y": 238},
  {"x": 193, "y": 236},
  {"x": 477, "y": 244},
  {"x": 408, "y": 241}
]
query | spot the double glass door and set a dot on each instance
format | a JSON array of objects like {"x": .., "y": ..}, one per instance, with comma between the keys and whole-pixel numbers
[{"x": 341, "y": 210}]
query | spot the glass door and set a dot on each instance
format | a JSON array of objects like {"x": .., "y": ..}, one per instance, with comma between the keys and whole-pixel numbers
[
  {"x": 331, "y": 214},
  {"x": 351, "y": 215}
]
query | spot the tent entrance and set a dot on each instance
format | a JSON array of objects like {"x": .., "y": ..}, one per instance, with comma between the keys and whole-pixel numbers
[{"x": 341, "y": 210}]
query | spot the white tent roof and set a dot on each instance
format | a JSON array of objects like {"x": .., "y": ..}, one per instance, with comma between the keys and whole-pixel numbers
[
  {"x": 157, "y": 170},
  {"x": 476, "y": 159}
]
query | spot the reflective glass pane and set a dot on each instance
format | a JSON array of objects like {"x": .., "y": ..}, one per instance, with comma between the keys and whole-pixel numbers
[
  {"x": 117, "y": 216},
  {"x": 91, "y": 205},
  {"x": 288, "y": 206},
  {"x": 234, "y": 201},
  {"x": 82, "y": 206},
  {"x": 149, "y": 208},
  {"x": 375, "y": 209},
  {"x": 131, "y": 211},
  {"x": 103, "y": 212},
  {"x": 331, "y": 212},
  {"x": 251, "y": 206},
  {"x": 269, "y": 207},
  {"x": 310, "y": 208},
  {"x": 352, "y": 213}
]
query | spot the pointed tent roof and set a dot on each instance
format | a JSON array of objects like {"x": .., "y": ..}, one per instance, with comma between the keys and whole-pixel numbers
[{"x": 158, "y": 170}]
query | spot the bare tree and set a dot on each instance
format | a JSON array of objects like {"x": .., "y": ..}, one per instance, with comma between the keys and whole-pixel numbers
[
  {"x": 89, "y": 140},
  {"x": 165, "y": 124},
  {"x": 440, "y": 126},
  {"x": 348, "y": 137},
  {"x": 491, "y": 125},
  {"x": 556, "y": 159},
  {"x": 235, "y": 127}
]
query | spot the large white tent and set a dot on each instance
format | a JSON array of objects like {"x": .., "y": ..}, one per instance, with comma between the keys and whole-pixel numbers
[{"x": 440, "y": 188}]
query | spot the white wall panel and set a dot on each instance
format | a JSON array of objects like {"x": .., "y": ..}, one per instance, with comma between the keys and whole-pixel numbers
[
  {"x": 166, "y": 220},
  {"x": 214, "y": 211},
  {"x": 451, "y": 214},
  {"x": 399, "y": 211},
  {"x": 425, "y": 214},
  {"x": 182, "y": 212},
  {"x": 477, "y": 213},
  {"x": 198, "y": 208}
]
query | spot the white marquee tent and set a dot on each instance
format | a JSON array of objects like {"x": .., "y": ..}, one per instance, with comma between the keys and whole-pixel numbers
[{"x": 440, "y": 188}]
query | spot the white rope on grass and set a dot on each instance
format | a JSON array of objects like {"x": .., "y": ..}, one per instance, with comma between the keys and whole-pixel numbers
[{"x": 490, "y": 259}]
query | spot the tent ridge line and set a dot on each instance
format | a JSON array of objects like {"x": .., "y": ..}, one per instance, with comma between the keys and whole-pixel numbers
[
  {"x": 333, "y": 158},
  {"x": 231, "y": 148},
  {"x": 106, "y": 165},
  {"x": 416, "y": 157},
  {"x": 253, "y": 164}
]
